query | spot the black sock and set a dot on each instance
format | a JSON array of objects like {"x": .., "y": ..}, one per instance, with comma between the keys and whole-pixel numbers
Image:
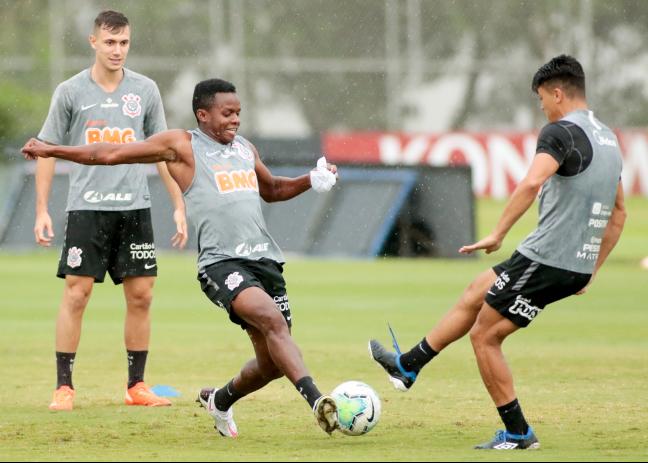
[
  {"x": 64, "y": 366},
  {"x": 136, "y": 365},
  {"x": 513, "y": 418},
  {"x": 308, "y": 390},
  {"x": 418, "y": 356},
  {"x": 226, "y": 396}
]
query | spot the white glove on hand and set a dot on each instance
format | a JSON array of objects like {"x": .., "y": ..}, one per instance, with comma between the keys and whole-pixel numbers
[{"x": 322, "y": 179}]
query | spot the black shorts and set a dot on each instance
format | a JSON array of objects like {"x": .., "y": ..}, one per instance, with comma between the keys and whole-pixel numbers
[
  {"x": 524, "y": 287},
  {"x": 120, "y": 242},
  {"x": 223, "y": 281}
]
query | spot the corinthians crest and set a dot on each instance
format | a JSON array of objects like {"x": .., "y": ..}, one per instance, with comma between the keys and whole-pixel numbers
[{"x": 132, "y": 107}]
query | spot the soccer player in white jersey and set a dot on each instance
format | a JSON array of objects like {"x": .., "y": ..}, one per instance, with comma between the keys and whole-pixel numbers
[
  {"x": 108, "y": 210},
  {"x": 239, "y": 265}
]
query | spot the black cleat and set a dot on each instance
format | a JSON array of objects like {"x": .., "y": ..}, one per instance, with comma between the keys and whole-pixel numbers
[
  {"x": 399, "y": 377},
  {"x": 504, "y": 440}
]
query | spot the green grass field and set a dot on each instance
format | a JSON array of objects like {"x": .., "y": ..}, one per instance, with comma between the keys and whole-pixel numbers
[{"x": 581, "y": 369}]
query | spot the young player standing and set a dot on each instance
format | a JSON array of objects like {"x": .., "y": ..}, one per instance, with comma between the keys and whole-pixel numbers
[{"x": 108, "y": 210}]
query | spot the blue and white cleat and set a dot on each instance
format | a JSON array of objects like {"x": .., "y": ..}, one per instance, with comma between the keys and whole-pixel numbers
[
  {"x": 504, "y": 440},
  {"x": 400, "y": 378}
]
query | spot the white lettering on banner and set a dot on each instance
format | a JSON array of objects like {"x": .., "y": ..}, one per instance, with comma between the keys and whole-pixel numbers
[
  {"x": 473, "y": 152},
  {"x": 393, "y": 152},
  {"x": 635, "y": 163},
  {"x": 499, "y": 160},
  {"x": 505, "y": 163},
  {"x": 497, "y": 164}
]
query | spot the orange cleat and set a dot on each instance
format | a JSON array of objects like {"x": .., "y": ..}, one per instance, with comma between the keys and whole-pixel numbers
[
  {"x": 63, "y": 399},
  {"x": 140, "y": 394}
]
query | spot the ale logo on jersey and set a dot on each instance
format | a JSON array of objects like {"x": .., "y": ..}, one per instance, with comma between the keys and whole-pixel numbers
[
  {"x": 132, "y": 107},
  {"x": 245, "y": 249},
  {"x": 94, "y": 197},
  {"x": 236, "y": 180},
  {"x": 109, "y": 135}
]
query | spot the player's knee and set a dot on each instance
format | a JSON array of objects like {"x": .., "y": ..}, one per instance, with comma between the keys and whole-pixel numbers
[
  {"x": 139, "y": 300},
  {"x": 270, "y": 321},
  {"x": 76, "y": 297},
  {"x": 482, "y": 336},
  {"x": 478, "y": 335}
]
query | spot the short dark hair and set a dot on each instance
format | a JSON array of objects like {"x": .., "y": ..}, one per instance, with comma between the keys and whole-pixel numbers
[
  {"x": 205, "y": 91},
  {"x": 111, "y": 20},
  {"x": 563, "y": 71}
]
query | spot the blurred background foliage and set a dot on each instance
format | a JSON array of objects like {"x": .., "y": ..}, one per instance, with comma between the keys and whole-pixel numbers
[{"x": 307, "y": 66}]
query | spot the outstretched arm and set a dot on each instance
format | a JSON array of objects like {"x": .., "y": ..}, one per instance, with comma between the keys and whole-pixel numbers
[
  {"x": 542, "y": 167},
  {"x": 273, "y": 188},
  {"x": 160, "y": 147}
]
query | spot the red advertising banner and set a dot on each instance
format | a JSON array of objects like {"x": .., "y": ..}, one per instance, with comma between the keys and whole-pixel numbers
[{"x": 498, "y": 159}]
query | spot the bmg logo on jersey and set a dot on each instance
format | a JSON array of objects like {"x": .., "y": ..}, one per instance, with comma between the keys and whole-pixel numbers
[
  {"x": 237, "y": 180},
  {"x": 109, "y": 135},
  {"x": 142, "y": 251}
]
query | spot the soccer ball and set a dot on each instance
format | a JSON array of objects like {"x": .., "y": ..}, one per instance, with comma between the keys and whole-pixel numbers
[{"x": 358, "y": 407}]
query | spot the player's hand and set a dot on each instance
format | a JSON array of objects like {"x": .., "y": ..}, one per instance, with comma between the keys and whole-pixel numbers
[
  {"x": 489, "y": 244},
  {"x": 43, "y": 230},
  {"x": 179, "y": 240},
  {"x": 324, "y": 176},
  {"x": 34, "y": 149}
]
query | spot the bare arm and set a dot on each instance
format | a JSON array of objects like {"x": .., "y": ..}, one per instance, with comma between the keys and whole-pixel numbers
[
  {"x": 160, "y": 147},
  {"x": 43, "y": 230},
  {"x": 179, "y": 213},
  {"x": 542, "y": 167},
  {"x": 612, "y": 232},
  {"x": 273, "y": 188}
]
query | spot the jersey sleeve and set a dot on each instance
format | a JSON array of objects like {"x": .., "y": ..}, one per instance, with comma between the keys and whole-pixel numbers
[
  {"x": 554, "y": 140},
  {"x": 154, "y": 120},
  {"x": 57, "y": 125}
]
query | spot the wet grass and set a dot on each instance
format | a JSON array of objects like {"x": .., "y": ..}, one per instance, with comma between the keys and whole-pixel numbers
[{"x": 581, "y": 368}]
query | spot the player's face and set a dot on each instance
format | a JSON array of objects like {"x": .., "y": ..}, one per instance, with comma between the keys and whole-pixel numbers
[
  {"x": 111, "y": 47},
  {"x": 222, "y": 119},
  {"x": 549, "y": 99}
]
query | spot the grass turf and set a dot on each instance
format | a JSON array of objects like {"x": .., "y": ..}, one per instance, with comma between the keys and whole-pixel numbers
[{"x": 581, "y": 368}]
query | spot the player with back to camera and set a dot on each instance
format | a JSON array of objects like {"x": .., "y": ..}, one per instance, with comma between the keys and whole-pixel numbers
[
  {"x": 239, "y": 264},
  {"x": 578, "y": 166},
  {"x": 108, "y": 224}
]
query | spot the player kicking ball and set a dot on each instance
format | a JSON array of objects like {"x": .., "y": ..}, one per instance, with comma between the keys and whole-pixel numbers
[
  {"x": 240, "y": 265},
  {"x": 578, "y": 167}
]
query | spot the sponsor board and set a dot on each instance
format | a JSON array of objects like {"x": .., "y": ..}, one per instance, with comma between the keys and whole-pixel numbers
[{"x": 499, "y": 160}]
